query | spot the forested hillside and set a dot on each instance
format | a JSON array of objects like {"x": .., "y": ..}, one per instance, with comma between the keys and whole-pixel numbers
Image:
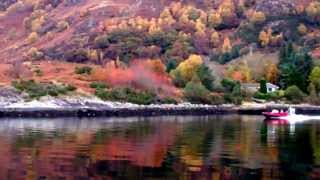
[{"x": 166, "y": 51}]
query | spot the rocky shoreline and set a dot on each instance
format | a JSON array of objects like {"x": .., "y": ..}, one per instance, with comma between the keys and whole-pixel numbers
[
  {"x": 12, "y": 105},
  {"x": 116, "y": 109},
  {"x": 112, "y": 112}
]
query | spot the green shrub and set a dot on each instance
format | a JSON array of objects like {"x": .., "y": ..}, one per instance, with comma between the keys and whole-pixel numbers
[
  {"x": 83, "y": 70},
  {"x": 228, "y": 84},
  {"x": 103, "y": 94},
  {"x": 141, "y": 98},
  {"x": 98, "y": 85},
  {"x": 196, "y": 92},
  {"x": 177, "y": 79},
  {"x": 168, "y": 100},
  {"x": 260, "y": 95},
  {"x": 294, "y": 94},
  {"x": 206, "y": 77},
  {"x": 126, "y": 95},
  {"x": 216, "y": 99},
  {"x": 233, "y": 92},
  {"x": 37, "y": 90}
]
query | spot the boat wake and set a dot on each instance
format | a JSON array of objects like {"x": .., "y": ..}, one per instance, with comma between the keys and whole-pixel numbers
[
  {"x": 290, "y": 116},
  {"x": 295, "y": 118}
]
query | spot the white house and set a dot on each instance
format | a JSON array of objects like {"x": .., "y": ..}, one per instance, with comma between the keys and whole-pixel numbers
[
  {"x": 272, "y": 88},
  {"x": 254, "y": 87}
]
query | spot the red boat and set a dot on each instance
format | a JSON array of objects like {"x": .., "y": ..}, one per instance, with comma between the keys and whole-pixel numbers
[{"x": 275, "y": 114}]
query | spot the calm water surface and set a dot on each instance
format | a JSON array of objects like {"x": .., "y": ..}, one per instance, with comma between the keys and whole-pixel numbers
[{"x": 210, "y": 147}]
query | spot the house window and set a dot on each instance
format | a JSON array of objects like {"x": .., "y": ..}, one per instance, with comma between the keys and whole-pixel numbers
[{"x": 270, "y": 89}]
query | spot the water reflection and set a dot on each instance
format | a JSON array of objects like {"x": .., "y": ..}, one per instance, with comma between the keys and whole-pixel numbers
[{"x": 210, "y": 147}]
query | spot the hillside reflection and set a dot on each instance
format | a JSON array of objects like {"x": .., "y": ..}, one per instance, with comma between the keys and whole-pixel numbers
[{"x": 213, "y": 147}]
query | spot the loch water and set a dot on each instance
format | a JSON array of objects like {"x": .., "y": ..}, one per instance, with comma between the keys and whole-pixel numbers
[{"x": 171, "y": 147}]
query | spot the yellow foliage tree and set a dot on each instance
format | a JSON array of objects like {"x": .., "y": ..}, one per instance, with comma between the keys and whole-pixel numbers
[
  {"x": 264, "y": 38},
  {"x": 258, "y": 17},
  {"x": 141, "y": 23},
  {"x": 188, "y": 68},
  {"x": 226, "y": 9},
  {"x": 32, "y": 38},
  {"x": 200, "y": 27},
  {"x": 184, "y": 18},
  {"x": 93, "y": 55},
  {"x": 215, "y": 39},
  {"x": 153, "y": 26},
  {"x": 271, "y": 72},
  {"x": 246, "y": 72},
  {"x": 302, "y": 29},
  {"x": 313, "y": 10},
  {"x": 37, "y": 23},
  {"x": 166, "y": 17},
  {"x": 214, "y": 19},
  {"x": 226, "y": 46}
]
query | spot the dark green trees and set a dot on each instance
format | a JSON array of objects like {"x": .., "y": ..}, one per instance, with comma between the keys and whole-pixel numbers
[{"x": 295, "y": 67}]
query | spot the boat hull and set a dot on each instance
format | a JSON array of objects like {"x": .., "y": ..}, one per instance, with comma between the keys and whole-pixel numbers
[{"x": 270, "y": 115}]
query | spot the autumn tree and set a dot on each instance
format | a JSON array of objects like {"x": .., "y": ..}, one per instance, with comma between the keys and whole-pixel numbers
[
  {"x": 32, "y": 38},
  {"x": 314, "y": 77},
  {"x": 226, "y": 9},
  {"x": 200, "y": 27},
  {"x": 193, "y": 14},
  {"x": 265, "y": 37},
  {"x": 156, "y": 66},
  {"x": 271, "y": 72},
  {"x": 246, "y": 72},
  {"x": 226, "y": 46},
  {"x": 176, "y": 8},
  {"x": 196, "y": 92},
  {"x": 187, "y": 69},
  {"x": 166, "y": 17},
  {"x": 214, "y": 19},
  {"x": 258, "y": 17},
  {"x": 214, "y": 39},
  {"x": 313, "y": 10},
  {"x": 302, "y": 29},
  {"x": 153, "y": 26},
  {"x": 184, "y": 18},
  {"x": 37, "y": 23},
  {"x": 34, "y": 54}
]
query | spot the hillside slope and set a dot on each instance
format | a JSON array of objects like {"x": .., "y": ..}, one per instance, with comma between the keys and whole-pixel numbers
[{"x": 46, "y": 40}]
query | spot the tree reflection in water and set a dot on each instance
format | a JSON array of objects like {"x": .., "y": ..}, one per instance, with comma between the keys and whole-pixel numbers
[{"x": 207, "y": 147}]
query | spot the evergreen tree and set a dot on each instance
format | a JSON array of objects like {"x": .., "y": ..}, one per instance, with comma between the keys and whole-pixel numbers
[
  {"x": 295, "y": 67},
  {"x": 206, "y": 77},
  {"x": 263, "y": 86}
]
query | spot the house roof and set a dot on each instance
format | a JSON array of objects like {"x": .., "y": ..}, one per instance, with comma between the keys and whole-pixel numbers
[{"x": 272, "y": 85}]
